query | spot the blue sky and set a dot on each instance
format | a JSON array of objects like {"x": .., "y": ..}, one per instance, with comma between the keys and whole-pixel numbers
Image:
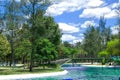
[{"x": 74, "y": 16}]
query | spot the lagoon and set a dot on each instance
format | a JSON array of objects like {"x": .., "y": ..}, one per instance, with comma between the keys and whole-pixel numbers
[{"x": 80, "y": 72}]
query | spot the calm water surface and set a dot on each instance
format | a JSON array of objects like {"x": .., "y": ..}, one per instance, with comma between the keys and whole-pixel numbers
[{"x": 86, "y": 73}]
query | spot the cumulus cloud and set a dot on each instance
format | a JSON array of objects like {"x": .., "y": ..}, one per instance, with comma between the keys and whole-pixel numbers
[
  {"x": 64, "y": 6},
  {"x": 111, "y": 14},
  {"x": 87, "y": 24},
  {"x": 60, "y": 6},
  {"x": 66, "y": 28},
  {"x": 94, "y": 3},
  {"x": 71, "y": 38},
  {"x": 115, "y": 29},
  {"x": 107, "y": 11},
  {"x": 68, "y": 37},
  {"x": 114, "y": 5},
  {"x": 70, "y": 31},
  {"x": 97, "y": 12}
]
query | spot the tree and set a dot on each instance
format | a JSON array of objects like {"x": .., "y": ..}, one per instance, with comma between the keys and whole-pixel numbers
[
  {"x": 23, "y": 50},
  {"x": 31, "y": 8},
  {"x": 118, "y": 16},
  {"x": 114, "y": 36},
  {"x": 113, "y": 47},
  {"x": 103, "y": 54},
  {"x": 52, "y": 32},
  {"x": 81, "y": 52},
  {"x": 91, "y": 42},
  {"x": 105, "y": 33},
  {"x": 4, "y": 48},
  {"x": 12, "y": 19},
  {"x": 67, "y": 44},
  {"x": 70, "y": 50},
  {"x": 46, "y": 50}
]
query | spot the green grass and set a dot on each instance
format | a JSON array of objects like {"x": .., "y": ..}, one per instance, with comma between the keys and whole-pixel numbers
[{"x": 9, "y": 70}]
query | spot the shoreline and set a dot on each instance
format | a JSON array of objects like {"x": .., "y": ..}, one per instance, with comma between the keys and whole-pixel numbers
[
  {"x": 95, "y": 65},
  {"x": 29, "y": 76},
  {"x": 41, "y": 75}
]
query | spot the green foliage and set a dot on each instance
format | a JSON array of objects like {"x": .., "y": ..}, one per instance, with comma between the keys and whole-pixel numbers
[
  {"x": 104, "y": 54},
  {"x": 46, "y": 49},
  {"x": 113, "y": 47},
  {"x": 41, "y": 27},
  {"x": 91, "y": 42},
  {"x": 70, "y": 51},
  {"x": 53, "y": 32},
  {"x": 36, "y": 40},
  {"x": 104, "y": 33},
  {"x": 4, "y": 47},
  {"x": 23, "y": 49},
  {"x": 115, "y": 36}
]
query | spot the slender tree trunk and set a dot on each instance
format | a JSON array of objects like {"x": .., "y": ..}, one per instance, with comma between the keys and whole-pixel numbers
[
  {"x": 10, "y": 61},
  {"x": 31, "y": 58},
  {"x": 12, "y": 51},
  {"x": 32, "y": 38}
]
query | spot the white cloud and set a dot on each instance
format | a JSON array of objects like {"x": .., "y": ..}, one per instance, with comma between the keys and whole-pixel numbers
[
  {"x": 75, "y": 24},
  {"x": 71, "y": 38},
  {"x": 59, "y": 7},
  {"x": 67, "y": 37},
  {"x": 111, "y": 14},
  {"x": 95, "y": 3},
  {"x": 115, "y": 29},
  {"x": 96, "y": 12},
  {"x": 67, "y": 5},
  {"x": 18, "y": 0},
  {"x": 87, "y": 24},
  {"x": 114, "y": 5},
  {"x": 78, "y": 40},
  {"x": 66, "y": 28}
]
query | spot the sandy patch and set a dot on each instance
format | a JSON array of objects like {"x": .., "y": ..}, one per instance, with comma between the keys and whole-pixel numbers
[{"x": 28, "y": 76}]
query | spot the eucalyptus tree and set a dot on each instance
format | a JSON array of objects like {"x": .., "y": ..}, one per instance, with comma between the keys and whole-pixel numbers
[
  {"x": 91, "y": 42},
  {"x": 31, "y": 8},
  {"x": 102, "y": 28},
  {"x": 105, "y": 33},
  {"x": 118, "y": 16},
  {"x": 12, "y": 17}
]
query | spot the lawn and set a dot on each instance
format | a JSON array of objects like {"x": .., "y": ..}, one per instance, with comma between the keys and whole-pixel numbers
[{"x": 21, "y": 70}]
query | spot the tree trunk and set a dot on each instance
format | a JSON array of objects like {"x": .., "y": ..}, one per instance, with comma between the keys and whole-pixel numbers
[{"x": 31, "y": 58}]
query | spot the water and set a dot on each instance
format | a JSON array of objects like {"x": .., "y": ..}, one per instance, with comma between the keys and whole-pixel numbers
[{"x": 86, "y": 73}]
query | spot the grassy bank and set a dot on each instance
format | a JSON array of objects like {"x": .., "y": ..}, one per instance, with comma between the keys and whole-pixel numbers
[{"x": 20, "y": 70}]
